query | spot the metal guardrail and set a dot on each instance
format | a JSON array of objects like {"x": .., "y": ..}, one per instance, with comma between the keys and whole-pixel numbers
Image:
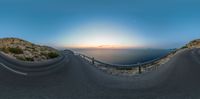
[{"x": 140, "y": 66}]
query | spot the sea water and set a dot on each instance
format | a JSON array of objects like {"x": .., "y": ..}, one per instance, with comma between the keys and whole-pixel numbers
[{"x": 124, "y": 56}]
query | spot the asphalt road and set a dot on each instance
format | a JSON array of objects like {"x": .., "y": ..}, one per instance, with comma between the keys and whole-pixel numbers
[{"x": 77, "y": 79}]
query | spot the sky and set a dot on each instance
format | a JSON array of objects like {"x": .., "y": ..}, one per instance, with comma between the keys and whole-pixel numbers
[{"x": 102, "y": 23}]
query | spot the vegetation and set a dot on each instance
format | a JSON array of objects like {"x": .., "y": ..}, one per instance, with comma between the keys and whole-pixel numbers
[
  {"x": 52, "y": 55},
  {"x": 5, "y": 50},
  {"x": 15, "y": 50},
  {"x": 29, "y": 59},
  {"x": 26, "y": 51},
  {"x": 20, "y": 58},
  {"x": 184, "y": 47}
]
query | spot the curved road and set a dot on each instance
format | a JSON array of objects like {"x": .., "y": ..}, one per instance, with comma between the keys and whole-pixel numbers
[{"x": 177, "y": 79}]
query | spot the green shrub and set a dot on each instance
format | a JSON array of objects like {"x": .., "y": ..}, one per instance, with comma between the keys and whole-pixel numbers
[
  {"x": 20, "y": 58},
  {"x": 15, "y": 50},
  {"x": 5, "y": 50},
  {"x": 52, "y": 55},
  {"x": 184, "y": 47},
  {"x": 29, "y": 59}
]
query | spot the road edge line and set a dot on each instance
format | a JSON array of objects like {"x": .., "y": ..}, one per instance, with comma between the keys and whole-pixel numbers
[{"x": 15, "y": 71}]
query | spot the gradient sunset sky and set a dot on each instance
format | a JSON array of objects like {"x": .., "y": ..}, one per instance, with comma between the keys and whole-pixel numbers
[{"x": 102, "y": 23}]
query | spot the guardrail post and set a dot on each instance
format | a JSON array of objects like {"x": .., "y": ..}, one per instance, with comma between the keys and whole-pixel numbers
[
  {"x": 139, "y": 69},
  {"x": 93, "y": 60}
]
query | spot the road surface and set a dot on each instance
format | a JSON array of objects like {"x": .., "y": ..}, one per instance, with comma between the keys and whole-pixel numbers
[{"x": 177, "y": 79}]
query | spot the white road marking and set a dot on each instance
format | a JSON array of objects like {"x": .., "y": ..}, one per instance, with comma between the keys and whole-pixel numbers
[{"x": 15, "y": 71}]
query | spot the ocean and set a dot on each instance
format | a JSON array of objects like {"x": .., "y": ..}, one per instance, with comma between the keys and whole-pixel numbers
[{"x": 124, "y": 56}]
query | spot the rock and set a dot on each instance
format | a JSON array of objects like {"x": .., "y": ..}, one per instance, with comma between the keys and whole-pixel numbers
[
  {"x": 194, "y": 44},
  {"x": 26, "y": 51}
]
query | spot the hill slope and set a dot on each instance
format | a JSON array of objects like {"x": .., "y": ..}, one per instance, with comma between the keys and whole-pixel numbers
[
  {"x": 26, "y": 51},
  {"x": 194, "y": 44}
]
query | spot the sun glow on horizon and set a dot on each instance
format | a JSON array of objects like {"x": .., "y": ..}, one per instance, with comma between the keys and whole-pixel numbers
[
  {"x": 102, "y": 35},
  {"x": 102, "y": 46}
]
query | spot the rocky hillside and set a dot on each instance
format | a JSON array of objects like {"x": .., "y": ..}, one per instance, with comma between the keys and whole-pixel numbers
[
  {"x": 194, "y": 44},
  {"x": 26, "y": 51}
]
